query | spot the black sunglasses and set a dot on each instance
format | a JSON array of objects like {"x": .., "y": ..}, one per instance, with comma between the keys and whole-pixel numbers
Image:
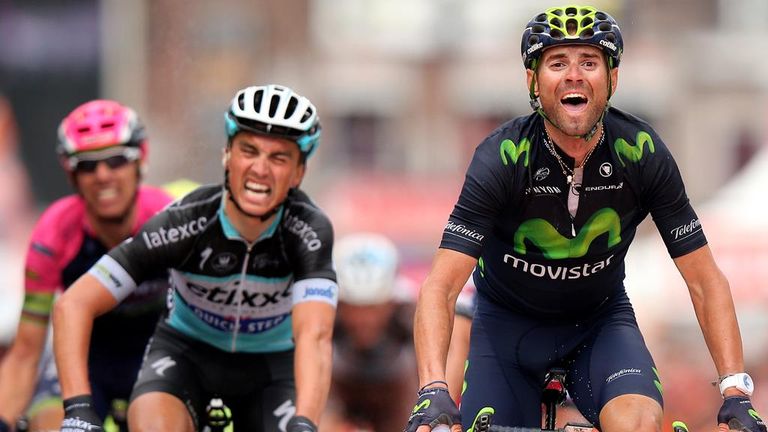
[{"x": 113, "y": 162}]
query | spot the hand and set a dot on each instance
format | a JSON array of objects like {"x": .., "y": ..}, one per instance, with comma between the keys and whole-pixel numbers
[
  {"x": 738, "y": 414},
  {"x": 434, "y": 406},
  {"x": 300, "y": 424},
  {"x": 79, "y": 415}
]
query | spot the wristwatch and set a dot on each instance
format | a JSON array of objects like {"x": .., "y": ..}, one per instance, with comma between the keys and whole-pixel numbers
[{"x": 742, "y": 381}]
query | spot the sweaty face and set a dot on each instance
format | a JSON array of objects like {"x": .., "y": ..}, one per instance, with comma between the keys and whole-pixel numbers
[
  {"x": 109, "y": 189},
  {"x": 261, "y": 171},
  {"x": 572, "y": 84}
]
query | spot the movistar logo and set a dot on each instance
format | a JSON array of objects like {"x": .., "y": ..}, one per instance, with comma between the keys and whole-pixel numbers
[
  {"x": 423, "y": 405},
  {"x": 554, "y": 246},
  {"x": 481, "y": 266},
  {"x": 754, "y": 415},
  {"x": 657, "y": 382},
  {"x": 508, "y": 148},
  {"x": 633, "y": 152}
]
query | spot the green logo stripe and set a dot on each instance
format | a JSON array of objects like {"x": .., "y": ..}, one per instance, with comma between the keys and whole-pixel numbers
[
  {"x": 633, "y": 152},
  {"x": 483, "y": 411},
  {"x": 754, "y": 415},
  {"x": 555, "y": 246},
  {"x": 423, "y": 405},
  {"x": 657, "y": 381},
  {"x": 508, "y": 148},
  {"x": 464, "y": 384},
  {"x": 481, "y": 266}
]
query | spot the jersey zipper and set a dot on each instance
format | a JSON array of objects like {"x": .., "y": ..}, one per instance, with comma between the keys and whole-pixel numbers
[{"x": 239, "y": 294}]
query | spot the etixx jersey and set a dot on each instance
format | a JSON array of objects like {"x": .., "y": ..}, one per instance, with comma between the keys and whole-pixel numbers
[{"x": 232, "y": 294}]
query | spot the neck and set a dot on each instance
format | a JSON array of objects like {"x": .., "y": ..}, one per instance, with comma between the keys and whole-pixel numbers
[
  {"x": 112, "y": 231},
  {"x": 249, "y": 227},
  {"x": 574, "y": 146}
]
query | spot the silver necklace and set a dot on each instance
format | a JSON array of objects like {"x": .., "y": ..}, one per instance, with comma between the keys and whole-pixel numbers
[{"x": 567, "y": 171}]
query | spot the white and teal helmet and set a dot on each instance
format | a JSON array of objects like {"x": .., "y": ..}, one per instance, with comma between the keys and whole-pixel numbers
[
  {"x": 276, "y": 111},
  {"x": 366, "y": 268}
]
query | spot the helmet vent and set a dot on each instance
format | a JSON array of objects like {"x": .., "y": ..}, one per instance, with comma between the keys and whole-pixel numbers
[
  {"x": 585, "y": 11},
  {"x": 292, "y": 102},
  {"x": 257, "y": 97},
  {"x": 106, "y": 125},
  {"x": 541, "y": 18},
  {"x": 611, "y": 37},
  {"x": 83, "y": 129},
  {"x": 556, "y": 34},
  {"x": 571, "y": 26},
  {"x": 241, "y": 101},
  {"x": 601, "y": 16},
  {"x": 586, "y": 21},
  {"x": 273, "y": 103},
  {"x": 558, "y": 12},
  {"x": 587, "y": 33},
  {"x": 571, "y": 11},
  {"x": 556, "y": 22},
  {"x": 533, "y": 40},
  {"x": 538, "y": 28},
  {"x": 307, "y": 114},
  {"x": 605, "y": 26}
]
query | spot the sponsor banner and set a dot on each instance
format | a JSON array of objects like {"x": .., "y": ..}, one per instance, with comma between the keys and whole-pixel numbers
[{"x": 316, "y": 289}]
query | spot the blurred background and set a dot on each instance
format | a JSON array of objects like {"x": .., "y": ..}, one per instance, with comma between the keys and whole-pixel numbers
[{"x": 406, "y": 89}]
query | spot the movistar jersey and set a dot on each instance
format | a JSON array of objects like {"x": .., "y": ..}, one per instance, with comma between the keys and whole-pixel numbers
[
  {"x": 534, "y": 256},
  {"x": 227, "y": 292}
]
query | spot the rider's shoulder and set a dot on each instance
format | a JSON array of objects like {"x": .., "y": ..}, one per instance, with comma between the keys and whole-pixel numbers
[
  {"x": 66, "y": 210},
  {"x": 515, "y": 129},
  {"x": 619, "y": 122},
  {"x": 203, "y": 196}
]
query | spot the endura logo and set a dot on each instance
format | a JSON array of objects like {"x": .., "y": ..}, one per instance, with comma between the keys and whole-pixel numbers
[
  {"x": 534, "y": 47},
  {"x": 608, "y": 44},
  {"x": 304, "y": 231},
  {"x": 164, "y": 237}
]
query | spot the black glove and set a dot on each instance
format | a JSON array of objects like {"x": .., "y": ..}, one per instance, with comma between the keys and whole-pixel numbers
[
  {"x": 737, "y": 412},
  {"x": 300, "y": 424},
  {"x": 4, "y": 427},
  {"x": 79, "y": 415},
  {"x": 434, "y": 406}
]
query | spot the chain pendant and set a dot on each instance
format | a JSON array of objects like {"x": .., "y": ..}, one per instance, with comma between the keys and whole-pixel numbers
[{"x": 568, "y": 179}]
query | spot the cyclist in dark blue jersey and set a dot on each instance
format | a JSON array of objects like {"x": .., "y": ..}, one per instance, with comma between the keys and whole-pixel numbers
[
  {"x": 550, "y": 204},
  {"x": 254, "y": 290}
]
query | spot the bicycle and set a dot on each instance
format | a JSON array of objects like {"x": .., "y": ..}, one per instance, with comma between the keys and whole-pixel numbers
[{"x": 553, "y": 394}]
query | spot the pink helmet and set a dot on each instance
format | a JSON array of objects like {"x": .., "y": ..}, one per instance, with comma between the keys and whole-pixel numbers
[{"x": 100, "y": 124}]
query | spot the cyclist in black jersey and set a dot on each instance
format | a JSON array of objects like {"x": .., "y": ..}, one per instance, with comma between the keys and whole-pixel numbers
[
  {"x": 549, "y": 206},
  {"x": 253, "y": 288}
]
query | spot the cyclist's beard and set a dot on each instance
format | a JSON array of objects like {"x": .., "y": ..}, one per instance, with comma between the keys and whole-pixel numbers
[
  {"x": 231, "y": 197},
  {"x": 572, "y": 127}
]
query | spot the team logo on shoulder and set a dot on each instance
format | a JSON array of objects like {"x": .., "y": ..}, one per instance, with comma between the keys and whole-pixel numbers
[
  {"x": 541, "y": 174},
  {"x": 606, "y": 169},
  {"x": 224, "y": 262}
]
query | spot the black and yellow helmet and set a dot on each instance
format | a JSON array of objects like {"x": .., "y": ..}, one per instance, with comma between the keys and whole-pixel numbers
[{"x": 572, "y": 24}]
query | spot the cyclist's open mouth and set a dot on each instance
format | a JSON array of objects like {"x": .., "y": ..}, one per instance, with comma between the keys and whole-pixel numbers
[
  {"x": 256, "y": 191},
  {"x": 574, "y": 102}
]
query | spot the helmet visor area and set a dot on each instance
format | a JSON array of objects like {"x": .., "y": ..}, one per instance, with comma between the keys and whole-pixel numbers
[{"x": 261, "y": 128}]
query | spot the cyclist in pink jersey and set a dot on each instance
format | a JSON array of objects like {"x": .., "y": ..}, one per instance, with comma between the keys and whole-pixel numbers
[{"x": 102, "y": 147}]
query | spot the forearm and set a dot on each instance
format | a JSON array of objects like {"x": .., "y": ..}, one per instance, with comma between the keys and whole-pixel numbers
[
  {"x": 71, "y": 337},
  {"x": 18, "y": 375},
  {"x": 313, "y": 359},
  {"x": 717, "y": 317},
  {"x": 432, "y": 334}
]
